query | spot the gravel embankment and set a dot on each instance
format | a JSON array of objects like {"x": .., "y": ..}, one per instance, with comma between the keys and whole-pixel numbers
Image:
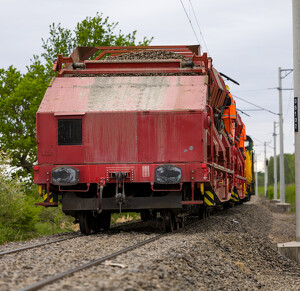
[
  {"x": 229, "y": 251},
  {"x": 233, "y": 250},
  {"x": 21, "y": 269},
  {"x": 44, "y": 239}
]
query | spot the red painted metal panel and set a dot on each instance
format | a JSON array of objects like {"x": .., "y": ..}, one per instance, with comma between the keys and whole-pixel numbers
[
  {"x": 67, "y": 72},
  {"x": 111, "y": 137},
  {"x": 170, "y": 137},
  {"x": 125, "y": 137},
  {"x": 46, "y": 138},
  {"x": 142, "y": 173},
  {"x": 95, "y": 94},
  {"x": 68, "y": 94},
  {"x": 133, "y": 64},
  {"x": 49, "y": 152}
]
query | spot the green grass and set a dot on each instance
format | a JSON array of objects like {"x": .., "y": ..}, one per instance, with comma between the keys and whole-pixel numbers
[{"x": 289, "y": 194}]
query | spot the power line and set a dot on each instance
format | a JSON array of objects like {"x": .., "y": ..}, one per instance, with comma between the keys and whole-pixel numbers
[
  {"x": 262, "y": 142},
  {"x": 199, "y": 27},
  {"x": 262, "y": 108},
  {"x": 242, "y": 111},
  {"x": 190, "y": 21},
  {"x": 253, "y": 90},
  {"x": 252, "y": 110}
]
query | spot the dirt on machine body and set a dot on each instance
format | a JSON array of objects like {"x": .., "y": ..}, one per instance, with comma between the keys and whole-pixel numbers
[{"x": 144, "y": 129}]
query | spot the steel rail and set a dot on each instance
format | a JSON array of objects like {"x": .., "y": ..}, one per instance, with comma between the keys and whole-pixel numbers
[
  {"x": 37, "y": 245},
  {"x": 115, "y": 226},
  {"x": 96, "y": 262},
  {"x": 40, "y": 284}
]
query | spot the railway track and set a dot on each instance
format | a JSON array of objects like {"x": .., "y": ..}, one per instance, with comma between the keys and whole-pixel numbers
[
  {"x": 53, "y": 279},
  {"x": 113, "y": 227},
  {"x": 115, "y": 244},
  {"x": 37, "y": 245},
  {"x": 96, "y": 262}
]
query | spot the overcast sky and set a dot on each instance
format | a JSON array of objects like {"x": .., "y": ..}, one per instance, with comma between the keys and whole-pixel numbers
[{"x": 248, "y": 41}]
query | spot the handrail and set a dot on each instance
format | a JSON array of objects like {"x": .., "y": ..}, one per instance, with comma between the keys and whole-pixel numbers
[
  {"x": 210, "y": 157},
  {"x": 87, "y": 190},
  {"x": 168, "y": 190}
]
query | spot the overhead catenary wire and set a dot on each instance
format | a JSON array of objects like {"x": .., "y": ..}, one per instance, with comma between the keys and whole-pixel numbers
[
  {"x": 190, "y": 21},
  {"x": 242, "y": 111},
  {"x": 262, "y": 108},
  {"x": 258, "y": 140},
  {"x": 196, "y": 18}
]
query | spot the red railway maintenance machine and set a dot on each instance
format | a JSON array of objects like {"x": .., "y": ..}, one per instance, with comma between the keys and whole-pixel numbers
[{"x": 137, "y": 135}]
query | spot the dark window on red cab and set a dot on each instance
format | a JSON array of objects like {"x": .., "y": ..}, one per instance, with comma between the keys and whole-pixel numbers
[{"x": 69, "y": 131}]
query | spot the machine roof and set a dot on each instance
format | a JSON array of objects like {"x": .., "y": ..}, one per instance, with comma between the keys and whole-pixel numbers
[{"x": 78, "y": 95}]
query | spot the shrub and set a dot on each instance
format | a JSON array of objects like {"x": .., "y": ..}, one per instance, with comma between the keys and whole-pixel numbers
[{"x": 18, "y": 218}]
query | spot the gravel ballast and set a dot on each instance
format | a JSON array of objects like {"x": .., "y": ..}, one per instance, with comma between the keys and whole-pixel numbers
[{"x": 232, "y": 250}]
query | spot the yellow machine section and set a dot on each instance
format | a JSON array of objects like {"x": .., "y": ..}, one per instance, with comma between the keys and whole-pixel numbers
[{"x": 248, "y": 165}]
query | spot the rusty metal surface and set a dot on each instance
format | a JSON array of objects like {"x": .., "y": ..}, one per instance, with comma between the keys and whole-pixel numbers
[
  {"x": 141, "y": 93},
  {"x": 131, "y": 203},
  {"x": 125, "y": 137},
  {"x": 136, "y": 121}
]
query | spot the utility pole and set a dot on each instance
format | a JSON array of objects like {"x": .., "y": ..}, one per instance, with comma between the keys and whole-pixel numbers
[
  {"x": 281, "y": 162},
  {"x": 296, "y": 33},
  {"x": 282, "y": 180},
  {"x": 275, "y": 163},
  {"x": 292, "y": 249},
  {"x": 266, "y": 170}
]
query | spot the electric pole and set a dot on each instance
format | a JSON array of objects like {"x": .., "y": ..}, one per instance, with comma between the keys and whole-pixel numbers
[
  {"x": 296, "y": 33},
  {"x": 266, "y": 170},
  {"x": 275, "y": 163},
  {"x": 292, "y": 249},
  {"x": 281, "y": 162}
]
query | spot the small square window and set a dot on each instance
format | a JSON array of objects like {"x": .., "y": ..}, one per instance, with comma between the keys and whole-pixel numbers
[{"x": 69, "y": 131}]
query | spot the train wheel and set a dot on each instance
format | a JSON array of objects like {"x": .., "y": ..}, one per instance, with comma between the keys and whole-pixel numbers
[
  {"x": 148, "y": 215},
  {"x": 169, "y": 221},
  {"x": 208, "y": 212},
  {"x": 153, "y": 214},
  {"x": 226, "y": 205},
  {"x": 105, "y": 218},
  {"x": 85, "y": 222},
  {"x": 96, "y": 227},
  {"x": 145, "y": 215},
  {"x": 201, "y": 213},
  {"x": 180, "y": 224}
]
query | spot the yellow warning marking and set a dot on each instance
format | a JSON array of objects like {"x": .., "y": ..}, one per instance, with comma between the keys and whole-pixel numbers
[
  {"x": 202, "y": 187},
  {"x": 234, "y": 196},
  {"x": 209, "y": 198},
  {"x": 207, "y": 202},
  {"x": 50, "y": 197},
  {"x": 40, "y": 190},
  {"x": 211, "y": 195}
]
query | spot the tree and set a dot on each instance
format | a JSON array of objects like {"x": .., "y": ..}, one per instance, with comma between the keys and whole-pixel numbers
[
  {"x": 21, "y": 94},
  {"x": 289, "y": 169},
  {"x": 92, "y": 31}
]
